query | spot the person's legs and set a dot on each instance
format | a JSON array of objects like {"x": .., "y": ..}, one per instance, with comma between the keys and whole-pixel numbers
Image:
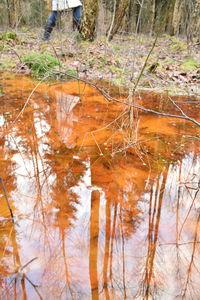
[
  {"x": 77, "y": 14},
  {"x": 51, "y": 22}
]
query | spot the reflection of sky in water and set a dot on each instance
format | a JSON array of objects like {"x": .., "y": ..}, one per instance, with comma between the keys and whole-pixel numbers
[
  {"x": 41, "y": 127},
  {"x": 44, "y": 241},
  {"x": 2, "y": 120},
  {"x": 134, "y": 254}
]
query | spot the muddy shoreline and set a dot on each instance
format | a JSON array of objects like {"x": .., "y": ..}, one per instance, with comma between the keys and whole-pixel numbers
[{"x": 172, "y": 68}]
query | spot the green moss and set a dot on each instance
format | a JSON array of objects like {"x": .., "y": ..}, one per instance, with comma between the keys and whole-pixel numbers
[
  {"x": 78, "y": 37},
  {"x": 177, "y": 45},
  {"x": 189, "y": 65},
  {"x": 117, "y": 47},
  {"x": 102, "y": 60},
  {"x": 166, "y": 36},
  {"x": 91, "y": 62},
  {"x": 40, "y": 63},
  {"x": 115, "y": 70},
  {"x": 152, "y": 68},
  {"x": 8, "y": 36},
  {"x": 71, "y": 72}
]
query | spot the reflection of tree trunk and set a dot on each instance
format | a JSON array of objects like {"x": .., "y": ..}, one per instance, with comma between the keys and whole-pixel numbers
[
  {"x": 178, "y": 206},
  {"x": 195, "y": 244},
  {"x": 154, "y": 221},
  {"x": 112, "y": 242},
  {"x": 65, "y": 264},
  {"x": 36, "y": 161},
  {"x": 23, "y": 288},
  {"x": 19, "y": 267},
  {"x": 16, "y": 256},
  {"x": 18, "y": 264},
  {"x": 15, "y": 289},
  {"x": 123, "y": 249},
  {"x": 107, "y": 249},
  {"x": 94, "y": 234},
  {"x": 35, "y": 153}
]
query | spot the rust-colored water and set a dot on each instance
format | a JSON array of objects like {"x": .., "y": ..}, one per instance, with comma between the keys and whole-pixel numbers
[{"x": 97, "y": 215}]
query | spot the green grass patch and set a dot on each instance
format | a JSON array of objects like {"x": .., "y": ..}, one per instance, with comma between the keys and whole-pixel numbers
[
  {"x": 40, "y": 63},
  {"x": 8, "y": 36},
  {"x": 189, "y": 65}
]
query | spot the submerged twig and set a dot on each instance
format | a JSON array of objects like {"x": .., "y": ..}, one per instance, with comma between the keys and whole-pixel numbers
[
  {"x": 19, "y": 271},
  {"x": 182, "y": 112},
  {"x": 24, "y": 266},
  {"x": 29, "y": 97},
  {"x": 6, "y": 197}
]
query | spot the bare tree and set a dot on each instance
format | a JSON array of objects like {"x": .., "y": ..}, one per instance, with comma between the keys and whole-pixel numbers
[{"x": 118, "y": 17}]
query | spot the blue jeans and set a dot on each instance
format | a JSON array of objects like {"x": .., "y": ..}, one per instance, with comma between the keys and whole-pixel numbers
[{"x": 77, "y": 14}]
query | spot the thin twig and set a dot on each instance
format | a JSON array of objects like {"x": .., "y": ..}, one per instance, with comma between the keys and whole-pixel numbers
[
  {"x": 15, "y": 274},
  {"x": 56, "y": 54},
  {"x": 101, "y": 153},
  {"x": 28, "y": 263},
  {"x": 29, "y": 97},
  {"x": 183, "y": 113},
  {"x": 11, "y": 45},
  {"x": 6, "y": 197}
]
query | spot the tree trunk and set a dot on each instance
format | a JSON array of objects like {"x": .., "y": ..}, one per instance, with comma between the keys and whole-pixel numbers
[
  {"x": 131, "y": 18},
  {"x": 178, "y": 6},
  {"x": 113, "y": 20},
  {"x": 159, "y": 13},
  {"x": 89, "y": 19},
  {"x": 119, "y": 15},
  {"x": 196, "y": 20},
  {"x": 13, "y": 8},
  {"x": 138, "y": 24}
]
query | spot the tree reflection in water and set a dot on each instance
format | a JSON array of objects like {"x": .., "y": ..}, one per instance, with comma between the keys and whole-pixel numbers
[{"x": 113, "y": 226}]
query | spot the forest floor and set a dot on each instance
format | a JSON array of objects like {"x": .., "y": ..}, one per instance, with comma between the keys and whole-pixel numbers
[{"x": 173, "y": 66}]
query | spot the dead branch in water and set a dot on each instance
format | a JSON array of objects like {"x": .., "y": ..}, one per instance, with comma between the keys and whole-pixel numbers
[{"x": 109, "y": 98}]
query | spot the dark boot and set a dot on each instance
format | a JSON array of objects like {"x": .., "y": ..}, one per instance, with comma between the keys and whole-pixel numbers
[
  {"x": 48, "y": 29},
  {"x": 76, "y": 24}
]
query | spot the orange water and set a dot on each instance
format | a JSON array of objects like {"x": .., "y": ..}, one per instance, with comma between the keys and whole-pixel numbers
[{"x": 98, "y": 215}]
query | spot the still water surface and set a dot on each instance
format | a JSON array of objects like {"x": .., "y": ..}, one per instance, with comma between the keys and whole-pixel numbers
[{"x": 97, "y": 215}]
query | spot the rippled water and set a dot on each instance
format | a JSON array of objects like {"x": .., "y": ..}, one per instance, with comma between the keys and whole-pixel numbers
[{"x": 96, "y": 215}]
